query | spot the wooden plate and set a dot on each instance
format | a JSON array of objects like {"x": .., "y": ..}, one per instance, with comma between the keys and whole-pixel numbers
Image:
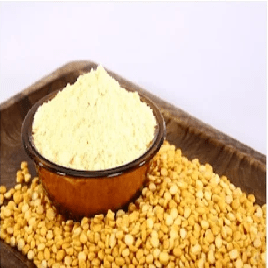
[{"x": 245, "y": 167}]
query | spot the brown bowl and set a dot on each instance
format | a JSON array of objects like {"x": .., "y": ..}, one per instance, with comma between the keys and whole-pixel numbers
[{"x": 78, "y": 193}]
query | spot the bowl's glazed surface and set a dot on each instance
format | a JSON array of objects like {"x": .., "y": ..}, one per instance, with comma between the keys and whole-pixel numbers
[
  {"x": 78, "y": 193},
  {"x": 78, "y": 197}
]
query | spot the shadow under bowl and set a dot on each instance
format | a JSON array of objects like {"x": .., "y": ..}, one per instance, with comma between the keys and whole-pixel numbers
[{"x": 78, "y": 193}]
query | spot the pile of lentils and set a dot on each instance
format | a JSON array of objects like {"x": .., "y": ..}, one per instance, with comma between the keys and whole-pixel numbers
[{"x": 186, "y": 216}]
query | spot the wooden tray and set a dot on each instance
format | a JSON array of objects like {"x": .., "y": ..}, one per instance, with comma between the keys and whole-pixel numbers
[{"x": 245, "y": 167}]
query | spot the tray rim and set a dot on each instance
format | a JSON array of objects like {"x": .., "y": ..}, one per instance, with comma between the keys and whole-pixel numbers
[{"x": 208, "y": 132}]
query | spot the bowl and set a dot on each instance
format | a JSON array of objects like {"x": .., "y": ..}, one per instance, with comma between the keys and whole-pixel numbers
[{"x": 78, "y": 193}]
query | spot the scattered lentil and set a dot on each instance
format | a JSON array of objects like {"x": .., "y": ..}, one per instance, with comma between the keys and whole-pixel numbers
[
  {"x": 3, "y": 189},
  {"x": 166, "y": 227}
]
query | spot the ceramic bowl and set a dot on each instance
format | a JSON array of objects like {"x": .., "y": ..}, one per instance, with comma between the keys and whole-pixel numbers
[{"x": 77, "y": 193}]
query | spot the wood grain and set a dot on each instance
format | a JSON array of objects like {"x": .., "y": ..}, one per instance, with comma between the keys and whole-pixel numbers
[{"x": 244, "y": 166}]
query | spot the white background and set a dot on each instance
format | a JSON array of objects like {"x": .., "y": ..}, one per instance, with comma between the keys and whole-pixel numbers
[{"x": 207, "y": 58}]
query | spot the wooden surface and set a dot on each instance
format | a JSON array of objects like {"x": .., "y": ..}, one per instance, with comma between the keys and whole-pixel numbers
[{"x": 244, "y": 166}]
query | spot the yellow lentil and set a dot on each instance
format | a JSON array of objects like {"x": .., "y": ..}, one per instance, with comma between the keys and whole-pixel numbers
[{"x": 186, "y": 215}]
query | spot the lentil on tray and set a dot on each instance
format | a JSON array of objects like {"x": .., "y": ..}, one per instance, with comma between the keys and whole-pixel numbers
[{"x": 186, "y": 216}]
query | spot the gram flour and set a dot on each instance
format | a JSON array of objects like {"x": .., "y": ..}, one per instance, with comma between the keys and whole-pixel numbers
[{"x": 93, "y": 124}]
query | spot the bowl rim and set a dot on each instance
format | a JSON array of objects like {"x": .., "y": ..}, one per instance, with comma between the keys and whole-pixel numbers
[{"x": 40, "y": 161}]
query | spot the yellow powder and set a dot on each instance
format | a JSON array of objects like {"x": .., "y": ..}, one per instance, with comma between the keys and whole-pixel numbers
[{"x": 93, "y": 124}]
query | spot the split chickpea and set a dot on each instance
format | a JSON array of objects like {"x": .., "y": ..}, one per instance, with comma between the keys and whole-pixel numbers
[{"x": 186, "y": 216}]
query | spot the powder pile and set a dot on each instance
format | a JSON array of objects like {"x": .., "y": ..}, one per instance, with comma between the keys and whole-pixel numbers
[{"x": 93, "y": 124}]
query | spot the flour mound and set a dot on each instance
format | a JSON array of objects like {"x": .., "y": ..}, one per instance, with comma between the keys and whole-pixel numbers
[{"x": 93, "y": 124}]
